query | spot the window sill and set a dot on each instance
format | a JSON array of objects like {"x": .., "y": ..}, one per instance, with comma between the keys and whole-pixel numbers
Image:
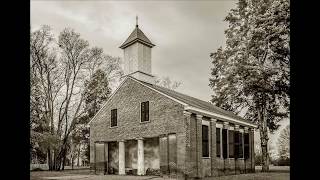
[
  {"x": 144, "y": 122},
  {"x": 112, "y": 127},
  {"x": 206, "y": 157}
]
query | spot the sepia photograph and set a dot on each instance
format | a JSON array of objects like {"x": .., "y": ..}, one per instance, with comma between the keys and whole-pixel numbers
[{"x": 159, "y": 89}]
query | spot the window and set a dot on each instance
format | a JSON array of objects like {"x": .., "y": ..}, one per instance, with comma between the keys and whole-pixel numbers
[
  {"x": 240, "y": 145},
  {"x": 205, "y": 141},
  {"x": 231, "y": 144},
  {"x": 218, "y": 143},
  {"x": 114, "y": 117},
  {"x": 246, "y": 145},
  {"x": 236, "y": 144},
  {"x": 145, "y": 111},
  {"x": 225, "y": 143}
]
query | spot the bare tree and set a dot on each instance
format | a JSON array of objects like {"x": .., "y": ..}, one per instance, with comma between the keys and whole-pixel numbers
[
  {"x": 166, "y": 82},
  {"x": 60, "y": 70}
]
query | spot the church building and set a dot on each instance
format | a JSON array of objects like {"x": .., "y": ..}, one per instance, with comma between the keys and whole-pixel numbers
[{"x": 145, "y": 129}]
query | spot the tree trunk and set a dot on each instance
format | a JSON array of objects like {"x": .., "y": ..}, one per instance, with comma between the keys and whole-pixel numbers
[
  {"x": 63, "y": 159},
  {"x": 71, "y": 161},
  {"x": 78, "y": 156},
  {"x": 264, "y": 139},
  {"x": 49, "y": 160}
]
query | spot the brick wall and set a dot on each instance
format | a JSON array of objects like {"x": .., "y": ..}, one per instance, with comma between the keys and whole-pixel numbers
[
  {"x": 206, "y": 167},
  {"x": 166, "y": 116}
]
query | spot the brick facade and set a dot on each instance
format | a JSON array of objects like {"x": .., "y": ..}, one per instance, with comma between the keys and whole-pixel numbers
[
  {"x": 166, "y": 116},
  {"x": 179, "y": 133}
]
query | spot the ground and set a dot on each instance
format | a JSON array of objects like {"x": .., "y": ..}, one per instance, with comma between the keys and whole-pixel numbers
[{"x": 276, "y": 172}]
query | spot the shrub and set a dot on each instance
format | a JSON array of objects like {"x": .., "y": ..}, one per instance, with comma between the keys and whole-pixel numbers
[
  {"x": 284, "y": 162},
  {"x": 153, "y": 172}
]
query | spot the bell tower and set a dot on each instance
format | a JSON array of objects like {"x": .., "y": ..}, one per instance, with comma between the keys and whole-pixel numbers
[{"x": 137, "y": 55}]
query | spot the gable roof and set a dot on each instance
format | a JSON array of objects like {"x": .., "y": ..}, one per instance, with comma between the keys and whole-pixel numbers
[
  {"x": 182, "y": 99},
  {"x": 193, "y": 102},
  {"x": 137, "y": 36}
]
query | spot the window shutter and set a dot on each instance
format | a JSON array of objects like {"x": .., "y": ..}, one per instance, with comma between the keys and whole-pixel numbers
[
  {"x": 240, "y": 145},
  {"x": 205, "y": 141},
  {"x": 236, "y": 144},
  {"x": 113, "y": 117},
  {"x": 147, "y": 111},
  {"x": 142, "y": 112},
  {"x": 224, "y": 143},
  {"x": 246, "y": 145},
  {"x": 218, "y": 142},
  {"x": 231, "y": 144}
]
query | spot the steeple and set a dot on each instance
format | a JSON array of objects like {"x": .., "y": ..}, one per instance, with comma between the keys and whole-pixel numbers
[
  {"x": 136, "y": 21},
  {"x": 137, "y": 55},
  {"x": 137, "y": 36}
]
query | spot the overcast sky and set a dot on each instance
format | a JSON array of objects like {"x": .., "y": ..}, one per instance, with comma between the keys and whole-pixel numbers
[{"x": 184, "y": 32}]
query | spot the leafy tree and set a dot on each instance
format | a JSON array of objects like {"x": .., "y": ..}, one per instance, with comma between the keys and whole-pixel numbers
[
  {"x": 284, "y": 143},
  {"x": 96, "y": 94},
  {"x": 251, "y": 74}
]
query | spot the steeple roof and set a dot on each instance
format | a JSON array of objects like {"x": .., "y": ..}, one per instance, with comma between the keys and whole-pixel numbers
[{"x": 137, "y": 36}]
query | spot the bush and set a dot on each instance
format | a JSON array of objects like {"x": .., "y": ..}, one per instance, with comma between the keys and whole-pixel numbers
[
  {"x": 258, "y": 160},
  {"x": 153, "y": 172},
  {"x": 281, "y": 162},
  {"x": 284, "y": 162}
]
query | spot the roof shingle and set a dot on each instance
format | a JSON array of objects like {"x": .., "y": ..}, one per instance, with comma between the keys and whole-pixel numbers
[
  {"x": 194, "y": 101},
  {"x": 137, "y": 36}
]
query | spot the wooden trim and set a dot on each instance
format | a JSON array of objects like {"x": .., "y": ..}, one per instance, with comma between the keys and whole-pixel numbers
[
  {"x": 174, "y": 99},
  {"x": 215, "y": 115},
  {"x": 95, "y": 158}
]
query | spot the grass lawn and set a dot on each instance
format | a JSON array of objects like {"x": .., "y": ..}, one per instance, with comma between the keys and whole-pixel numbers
[
  {"x": 255, "y": 176},
  {"x": 276, "y": 173},
  {"x": 39, "y": 175}
]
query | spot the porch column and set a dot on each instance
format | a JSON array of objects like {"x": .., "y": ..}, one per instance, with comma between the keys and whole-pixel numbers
[
  {"x": 221, "y": 145},
  {"x": 190, "y": 159},
  {"x": 199, "y": 145},
  {"x": 140, "y": 157},
  {"x": 247, "y": 164},
  {"x": 163, "y": 148},
  {"x": 251, "y": 133},
  {"x": 226, "y": 159},
  {"x": 214, "y": 164},
  {"x": 237, "y": 163},
  {"x": 121, "y": 158}
]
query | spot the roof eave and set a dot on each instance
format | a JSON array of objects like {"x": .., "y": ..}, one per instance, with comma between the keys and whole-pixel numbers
[
  {"x": 124, "y": 45},
  {"x": 218, "y": 116}
]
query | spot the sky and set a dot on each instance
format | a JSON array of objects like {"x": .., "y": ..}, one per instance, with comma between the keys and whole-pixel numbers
[{"x": 184, "y": 32}]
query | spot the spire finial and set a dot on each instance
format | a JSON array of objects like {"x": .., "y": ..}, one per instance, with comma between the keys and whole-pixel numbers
[{"x": 136, "y": 20}]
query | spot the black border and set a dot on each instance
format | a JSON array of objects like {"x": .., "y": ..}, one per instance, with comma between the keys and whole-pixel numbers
[
  {"x": 15, "y": 27},
  {"x": 304, "y": 104}
]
